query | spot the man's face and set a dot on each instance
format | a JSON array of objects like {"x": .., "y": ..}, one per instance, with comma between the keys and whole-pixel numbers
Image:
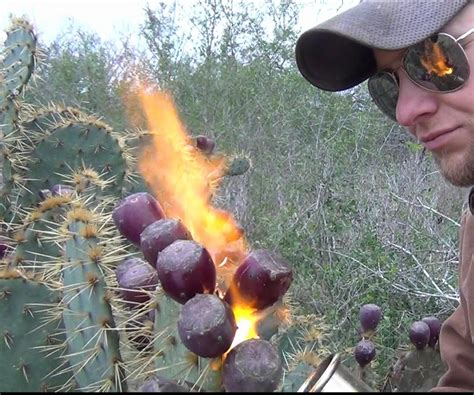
[{"x": 442, "y": 122}]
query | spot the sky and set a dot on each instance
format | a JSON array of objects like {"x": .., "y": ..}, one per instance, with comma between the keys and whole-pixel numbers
[{"x": 108, "y": 18}]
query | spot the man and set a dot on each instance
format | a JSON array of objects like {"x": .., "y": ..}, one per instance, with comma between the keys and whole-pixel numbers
[{"x": 417, "y": 57}]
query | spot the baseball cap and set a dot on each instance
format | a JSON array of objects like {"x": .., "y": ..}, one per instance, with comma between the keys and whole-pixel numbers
[{"x": 337, "y": 54}]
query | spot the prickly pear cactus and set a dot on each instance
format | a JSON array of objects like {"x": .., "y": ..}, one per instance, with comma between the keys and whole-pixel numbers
[
  {"x": 66, "y": 252},
  {"x": 32, "y": 336},
  {"x": 417, "y": 370},
  {"x": 17, "y": 60},
  {"x": 36, "y": 246},
  {"x": 92, "y": 340}
]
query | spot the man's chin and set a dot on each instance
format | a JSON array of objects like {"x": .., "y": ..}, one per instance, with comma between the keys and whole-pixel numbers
[{"x": 459, "y": 176}]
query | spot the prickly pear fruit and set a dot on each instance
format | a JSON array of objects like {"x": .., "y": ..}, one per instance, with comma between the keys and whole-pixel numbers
[
  {"x": 136, "y": 279},
  {"x": 261, "y": 279},
  {"x": 435, "y": 327},
  {"x": 252, "y": 366},
  {"x": 61, "y": 190},
  {"x": 5, "y": 246},
  {"x": 419, "y": 334},
  {"x": 205, "y": 144},
  {"x": 185, "y": 268},
  {"x": 134, "y": 213},
  {"x": 364, "y": 352},
  {"x": 369, "y": 316},
  {"x": 159, "y": 235},
  {"x": 206, "y": 325}
]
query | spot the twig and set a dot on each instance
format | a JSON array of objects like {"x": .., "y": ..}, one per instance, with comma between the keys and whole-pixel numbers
[
  {"x": 418, "y": 263},
  {"x": 426, "y": 207}
]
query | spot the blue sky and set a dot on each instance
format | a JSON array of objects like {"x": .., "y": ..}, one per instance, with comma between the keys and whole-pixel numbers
[{"x": 109, "y": 17}]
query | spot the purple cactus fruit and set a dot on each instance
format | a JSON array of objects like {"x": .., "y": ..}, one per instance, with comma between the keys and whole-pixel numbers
[
  {"x": 205, "y": 144},
  {"x": 419, "y": 334},
  {"x": 5, "y": 247},
  {"x": 44, "y": 194},
  {"x": 435, "y": 328},
  {"x": 369, "y": 316},
  {"x": 161, "y": 234},
  {"x": 136, "y": 278},
  {"x": 185, "y": 269},
  {"x": 260, "y": 280},
  {"x": 134, "y": 213},
  {"x": 364, "y": 352},
  {"x": 206, "y": 325},
  {"x": 252, "y": 366},
  {"x": 61, "y": 190}
]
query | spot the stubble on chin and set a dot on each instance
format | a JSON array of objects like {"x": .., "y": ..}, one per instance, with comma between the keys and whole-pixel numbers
[{"x": 457, "y": 171}]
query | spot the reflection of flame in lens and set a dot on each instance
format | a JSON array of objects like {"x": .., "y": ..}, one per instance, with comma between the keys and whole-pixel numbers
[{"x": 435, "y": 61}]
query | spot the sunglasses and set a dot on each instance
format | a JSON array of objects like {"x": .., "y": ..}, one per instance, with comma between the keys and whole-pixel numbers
[{"x": 436, "y": 64}]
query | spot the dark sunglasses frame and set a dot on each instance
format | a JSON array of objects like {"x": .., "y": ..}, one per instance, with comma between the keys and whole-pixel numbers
[{"x": 391, "y": 78}]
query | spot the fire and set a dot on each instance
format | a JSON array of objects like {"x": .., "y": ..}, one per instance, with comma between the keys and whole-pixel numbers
[
  {"x": 246, "y": 319},
  {"x": 180, "y": 177},
  {"x": 434, "y": 60}
]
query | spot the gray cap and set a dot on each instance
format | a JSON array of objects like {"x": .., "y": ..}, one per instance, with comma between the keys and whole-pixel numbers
[{"x": 337, "y": 54}]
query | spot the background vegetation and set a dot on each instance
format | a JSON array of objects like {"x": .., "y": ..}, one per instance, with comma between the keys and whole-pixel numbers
[{"x": 345, "y": 195}]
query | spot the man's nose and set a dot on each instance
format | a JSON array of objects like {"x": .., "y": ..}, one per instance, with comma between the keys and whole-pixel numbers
[{"x": 414, "y": 103}]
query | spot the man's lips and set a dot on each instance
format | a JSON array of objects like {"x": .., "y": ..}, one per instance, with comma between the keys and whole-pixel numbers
[{"x": 435, "y": 140}]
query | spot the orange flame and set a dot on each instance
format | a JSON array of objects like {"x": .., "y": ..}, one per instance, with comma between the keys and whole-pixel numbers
[
  {"x": 246, "y": 319},
  {"x": 180, "y": 178},
  {"x": 434, "y": 60},
  {"x": 178, "y": 175}
]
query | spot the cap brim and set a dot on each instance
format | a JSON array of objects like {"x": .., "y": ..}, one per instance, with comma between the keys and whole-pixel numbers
[
  {"x": 338, "y": 53},
  {"x": 333, "y": 62}
]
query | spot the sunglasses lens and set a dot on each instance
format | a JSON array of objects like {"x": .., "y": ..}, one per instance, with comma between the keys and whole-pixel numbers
[
  {"x": 438, "y": 64},
  {"x": 383, "y": 89}
]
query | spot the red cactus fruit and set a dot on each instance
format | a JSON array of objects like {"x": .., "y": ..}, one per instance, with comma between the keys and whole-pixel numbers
[
  {"x": 161, "y": 234},
  {"x": 261, "y": 279},
  {"x": 419, "y": 334},
  {"x": 185, "y": 269},
  {"x": 435, "y": 327},
  {"x": 134, "y": 213},
  {"x": 136, "y": 278},
  {"x": 364, "y": 352},
  {"x": 252, "y": 366},
  {"x": 206, "y": 325},
  {"x": 369, "y": 316}
]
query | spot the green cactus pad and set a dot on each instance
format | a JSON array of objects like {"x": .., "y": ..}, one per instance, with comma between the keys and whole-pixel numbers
[
  {"x": 92, "y": 339},
  {"x": 39, "y": 122},
  {"x": 35, "y": 244},
  {"x": 18, "y": 57},
  {"x": 75, "y": 146},
  {"x": 237, "y": 166},
  {"x": 27, "y": 363},
  {"x": 417, "y": 370}
]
